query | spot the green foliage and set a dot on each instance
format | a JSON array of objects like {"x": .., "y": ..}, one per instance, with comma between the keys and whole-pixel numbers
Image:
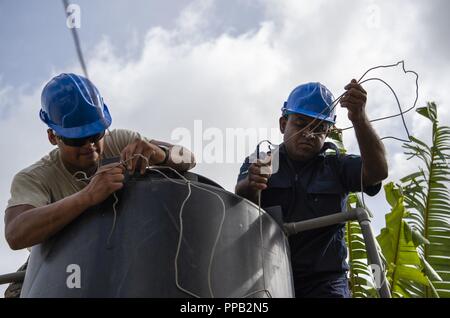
[
  {"x": 361, "y": 278},
  {"x": 336, "y": 136},
  {"x": 427, "y": 197},
  {"x": 416, "y": 239},
  {"x": 399, "y": 243}
]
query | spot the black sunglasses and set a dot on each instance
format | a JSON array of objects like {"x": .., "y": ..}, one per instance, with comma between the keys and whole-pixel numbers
[{"x": 80, "y": 142}]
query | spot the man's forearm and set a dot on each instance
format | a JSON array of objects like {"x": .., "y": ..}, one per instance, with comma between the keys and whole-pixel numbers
[
  {"x": 244, "y": 190},
  {"x": 36, "y": 225},
  {"x": 373, "y": 154}
]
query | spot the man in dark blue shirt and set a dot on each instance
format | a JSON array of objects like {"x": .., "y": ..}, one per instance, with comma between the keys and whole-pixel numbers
[{"x": 314, "y": 179}]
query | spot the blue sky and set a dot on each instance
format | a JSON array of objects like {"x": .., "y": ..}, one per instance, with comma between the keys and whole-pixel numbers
[
  {"x": 162, "y": 65},
  {"x": 36, "y": 30}
]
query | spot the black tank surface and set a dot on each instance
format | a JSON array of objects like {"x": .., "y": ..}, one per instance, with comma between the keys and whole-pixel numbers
[{"x": 142, "y": 254}]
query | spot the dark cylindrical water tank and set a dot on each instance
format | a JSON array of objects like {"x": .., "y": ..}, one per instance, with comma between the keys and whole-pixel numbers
[{"x": 220, "y": 252}]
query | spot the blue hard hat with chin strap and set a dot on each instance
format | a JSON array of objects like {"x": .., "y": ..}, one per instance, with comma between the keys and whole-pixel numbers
[
  {"x": 313, "y": 100},
  {"x": 73, "y": 107}
]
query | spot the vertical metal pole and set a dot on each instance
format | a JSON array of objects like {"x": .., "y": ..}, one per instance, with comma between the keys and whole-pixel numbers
[{"x": 372, "y": 253}]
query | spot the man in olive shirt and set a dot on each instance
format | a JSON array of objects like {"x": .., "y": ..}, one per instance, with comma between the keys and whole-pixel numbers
[{"x": 47, "y": 196}]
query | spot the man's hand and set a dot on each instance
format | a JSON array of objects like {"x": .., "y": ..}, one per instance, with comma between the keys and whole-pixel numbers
[
  {"x": 26, "y": 225},
  {"x": 152, "y": 152},
  {"x": 355, "y": 101},
  {"x": 259, "y": 173},
  {"x": 256, "y": 180},
  {"x": 373, "y": 154},
  {"x": 108, "y": 179}
]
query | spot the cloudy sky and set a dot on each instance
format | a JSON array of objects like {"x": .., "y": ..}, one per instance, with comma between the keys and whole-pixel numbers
[{"x": 178, "y": 64}]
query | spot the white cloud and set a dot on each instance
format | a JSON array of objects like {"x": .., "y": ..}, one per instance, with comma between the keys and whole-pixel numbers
[
  {"x": 242, "y": 81},
  {"x": 194, "y": 17}
]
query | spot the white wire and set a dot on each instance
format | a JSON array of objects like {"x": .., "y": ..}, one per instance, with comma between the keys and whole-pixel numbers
[
  {"x": 216, "y": 240},
  {"x": 188, "y": 184},
  {"x": 262, "y": 246},
  {"x": 213, "y": 250}
]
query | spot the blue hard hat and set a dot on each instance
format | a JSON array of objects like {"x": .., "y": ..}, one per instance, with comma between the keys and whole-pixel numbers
[
  {"x": 73, "y": 107},
  {"x": 313, "y": 100}
]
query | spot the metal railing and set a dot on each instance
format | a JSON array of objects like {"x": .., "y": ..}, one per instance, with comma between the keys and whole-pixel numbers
[
  {"x": 360, "y": 215},
  {"x": 16, "y": 277}
]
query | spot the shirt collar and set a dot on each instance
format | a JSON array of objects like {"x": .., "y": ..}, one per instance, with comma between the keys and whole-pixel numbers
[{"x": 328, "y": 146}]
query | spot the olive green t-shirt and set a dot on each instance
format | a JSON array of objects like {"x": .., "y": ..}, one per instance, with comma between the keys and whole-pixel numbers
[{"x": 48, "y": 181}]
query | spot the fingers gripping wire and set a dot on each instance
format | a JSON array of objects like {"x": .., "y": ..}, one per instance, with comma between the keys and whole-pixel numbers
[
  {"x": 401, "y": 112},
  {"x": 85, "y": 178}
]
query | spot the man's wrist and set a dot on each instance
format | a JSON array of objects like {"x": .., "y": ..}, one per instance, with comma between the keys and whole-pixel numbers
[
  {"x": 83, "y": 199},
  {"x": 362, "y": 120}
]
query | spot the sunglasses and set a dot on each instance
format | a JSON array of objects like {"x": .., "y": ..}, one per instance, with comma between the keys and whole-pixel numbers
[
  {"x": 80, "y": 142},
  {"x": 315, "y": 129}
]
